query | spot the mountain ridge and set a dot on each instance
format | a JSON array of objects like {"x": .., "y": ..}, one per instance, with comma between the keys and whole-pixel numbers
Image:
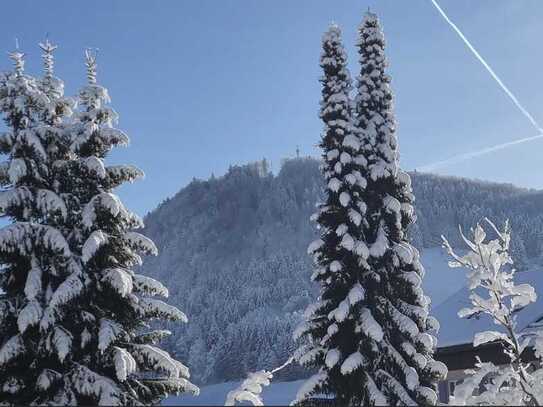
[{"x": 232, "y": 250}]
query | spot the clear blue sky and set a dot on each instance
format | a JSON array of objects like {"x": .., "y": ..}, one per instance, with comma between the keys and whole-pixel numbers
[{"x": 203, "y": 84}]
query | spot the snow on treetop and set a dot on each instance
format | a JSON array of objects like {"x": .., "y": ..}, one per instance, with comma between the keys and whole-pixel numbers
[
  {"x": 334, "y": 184},
  {"x": 309, "y": 356},
  {"x": 344, "y": 198},
  {"x": 95, "y": 166},
  {"x": 371, "y": 30},
  {"x": 18, "y": 61},
  {"x": 29, "y": 137},
  {"x": 404, "y": 251},
  {"x": 333, "y": 34},
  {"x": 108, "y": 333},
  {"x": 335, "y": 266},
  {"x": 347, "y": 242},
  {"x": 351, "y": 141},
  {"x": 128, "y": 173}
]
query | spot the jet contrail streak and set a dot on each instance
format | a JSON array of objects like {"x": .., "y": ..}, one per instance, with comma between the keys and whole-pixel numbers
[
  {"x": 488, "y": 68},
  {"x": 467, "y": 156}
]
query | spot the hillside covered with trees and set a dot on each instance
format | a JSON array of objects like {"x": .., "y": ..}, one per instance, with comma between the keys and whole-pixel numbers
[{"x": 232, "y": 251}]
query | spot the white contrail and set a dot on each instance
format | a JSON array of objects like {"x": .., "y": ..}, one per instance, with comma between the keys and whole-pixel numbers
[
  {"x": 467, "y": 156},
  {"x": 488, "y": 68}
]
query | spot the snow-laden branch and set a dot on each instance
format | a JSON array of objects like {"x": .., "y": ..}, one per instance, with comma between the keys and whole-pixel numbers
[
  {"x": 493, "y": 292},
  {"x": 251, "y": 388}
]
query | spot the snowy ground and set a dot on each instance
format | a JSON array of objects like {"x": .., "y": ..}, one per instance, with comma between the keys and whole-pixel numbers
[{"x": 276, "y": 394}]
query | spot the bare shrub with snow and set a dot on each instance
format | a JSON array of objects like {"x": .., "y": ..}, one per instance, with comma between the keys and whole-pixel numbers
[{"x": 493, "y": 292}]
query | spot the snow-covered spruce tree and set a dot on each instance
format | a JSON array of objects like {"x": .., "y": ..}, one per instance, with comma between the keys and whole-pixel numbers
[
  {"x": 400, "y": 363},
  {"x": 120, "y": 303},
  {"x": 73, "y": 315},
  {"x": 369, "y": 333},
  {"x": 33, "y": 252},
  {"x": 493, "y": 293},
  {"x": 339, "y": 329}
]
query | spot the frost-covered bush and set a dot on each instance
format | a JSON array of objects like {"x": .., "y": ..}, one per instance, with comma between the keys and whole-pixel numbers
[
  {"x": 250, "y": 389},
  {"x": 493, "y": 292}
]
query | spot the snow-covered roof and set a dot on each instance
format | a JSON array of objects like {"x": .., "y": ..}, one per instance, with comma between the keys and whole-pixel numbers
[{"x": 456, "y": 331}]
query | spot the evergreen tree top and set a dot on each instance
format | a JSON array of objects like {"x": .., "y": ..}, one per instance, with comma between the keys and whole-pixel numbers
[
  {"x": 371, "y": 29},
  {"x": 371, "y": 48},
  {"x": 90, "y": 62},
  {"x": 374, "y": 115},
  {"x": 48, "y": 60},
  {"x": 333, "y": 55},
  {"x": 336, "y": 80},
  {"x": 18, "y": 60},
  {"x": 53, "y": 87},
  {"x": 94, "y": 96}
]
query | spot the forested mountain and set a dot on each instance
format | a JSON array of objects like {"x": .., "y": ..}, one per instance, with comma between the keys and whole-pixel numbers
[{"x": 232, "y": 251}]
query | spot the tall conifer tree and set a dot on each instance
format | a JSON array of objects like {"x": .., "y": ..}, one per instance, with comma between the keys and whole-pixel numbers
[
  {"x": 403, "y": 370},
  {"x": 368, "y": 334},
  {"x": 338, "y": 327},
  {"x": 74, "y": 316}
]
